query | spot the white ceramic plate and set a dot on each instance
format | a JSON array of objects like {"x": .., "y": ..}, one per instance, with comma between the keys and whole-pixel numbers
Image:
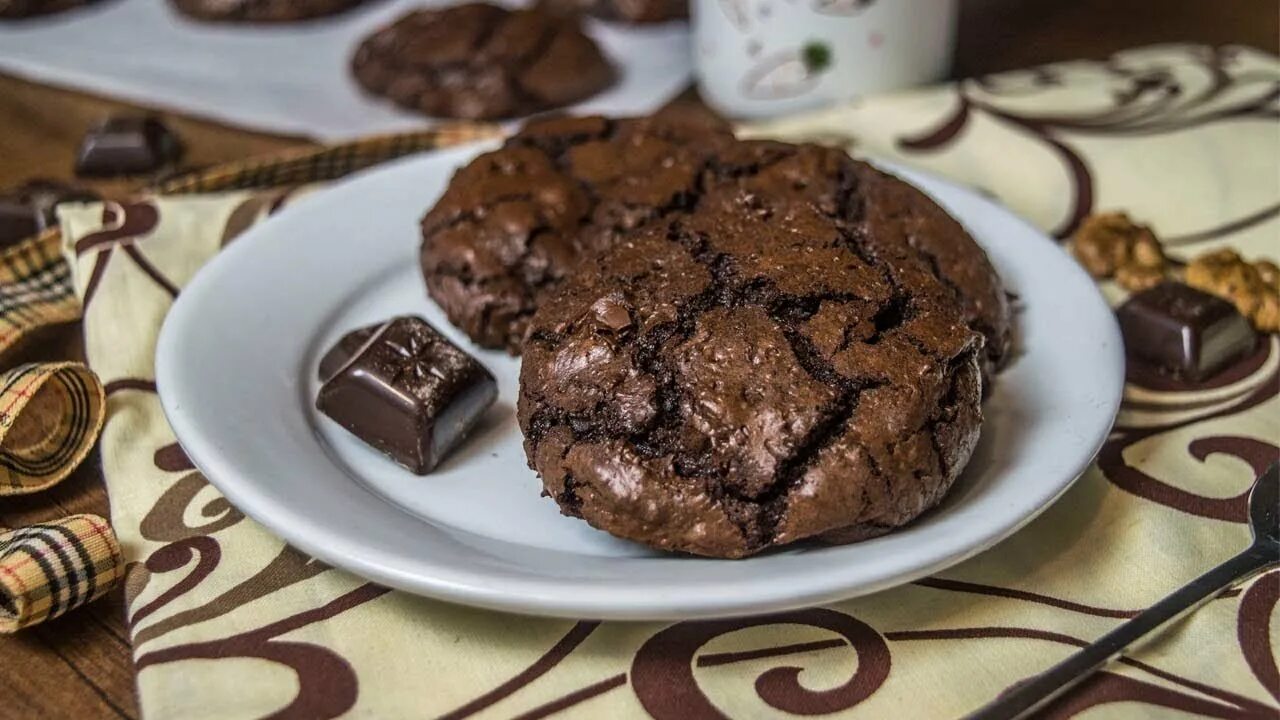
[{"x": 236, "y": 367}]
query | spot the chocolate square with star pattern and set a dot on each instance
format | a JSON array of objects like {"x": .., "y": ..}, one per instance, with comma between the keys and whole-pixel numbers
[{"x": 408, "y": 392}]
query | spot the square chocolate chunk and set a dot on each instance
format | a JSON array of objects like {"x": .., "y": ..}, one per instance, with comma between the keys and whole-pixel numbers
[
  {"x": 408, "y": 392},
  {"x": 1184, "y": 332},
  {"x": 343, "y": 350},
  {"x": 126, "y": 145},
  {"x": 29, "y": 208},
  {"x": 17, "y": 222}
]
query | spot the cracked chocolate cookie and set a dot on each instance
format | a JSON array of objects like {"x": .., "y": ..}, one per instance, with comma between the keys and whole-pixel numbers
[
  {"x": 481, "y": 62},
  {"x": 514, "y": 221},
  {"x": 261, "y": 11},
  {"x": 753, "y": 369}
]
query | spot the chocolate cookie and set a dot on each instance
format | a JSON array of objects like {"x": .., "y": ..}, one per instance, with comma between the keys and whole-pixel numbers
[
  {"x": 511, "y": 224},
  {"x": 480, "y": 61},
  {"x": 261, "y": 11},
  {"x": 18, "y": 9},
  {"x": 487, "y": 271},
  {"x": 630, "y": 11},
  {"x": 752, "y": 369}
]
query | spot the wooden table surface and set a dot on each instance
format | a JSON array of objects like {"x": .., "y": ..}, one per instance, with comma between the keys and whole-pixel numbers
[{"x": 78, "y": 665}]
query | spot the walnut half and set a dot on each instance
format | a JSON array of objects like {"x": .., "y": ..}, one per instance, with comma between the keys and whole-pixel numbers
[
  {"x": 1254, "y": 288},
  {"x": 1113, "y": 245}
]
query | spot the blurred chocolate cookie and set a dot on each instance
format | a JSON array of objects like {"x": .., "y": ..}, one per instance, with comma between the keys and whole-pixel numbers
[
  {"x": 261, "y": 11},
  {"x": 479, "y": 61},
  {"x": 630, "y": 11},
  {"x": 18, "y": 9}
]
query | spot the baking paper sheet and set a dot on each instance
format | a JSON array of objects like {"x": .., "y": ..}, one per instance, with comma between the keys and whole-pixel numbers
[{"x": 292, "y": 79}]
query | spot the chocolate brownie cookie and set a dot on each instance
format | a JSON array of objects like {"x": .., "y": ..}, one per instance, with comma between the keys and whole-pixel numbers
[
  {"x": 487, "y": 271},
  {"x": 752, "y": 369},
  {"x": 481, "y": 61},
  {"x": 261, "y": 11},
  {"x": 629, "y": 11},
  {"x": 511, "y": 224}
]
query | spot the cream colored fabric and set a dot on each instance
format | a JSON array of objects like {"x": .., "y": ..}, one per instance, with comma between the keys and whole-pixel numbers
[{"x": 227, "y": 622}]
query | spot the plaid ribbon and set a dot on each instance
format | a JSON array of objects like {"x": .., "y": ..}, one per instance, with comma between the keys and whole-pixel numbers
[
  {"x": 310, "y": 165},
  {"x": 51, "y": 414},
  {"x": 50, "y": 568},
  {"x": 35, "y": 289}
]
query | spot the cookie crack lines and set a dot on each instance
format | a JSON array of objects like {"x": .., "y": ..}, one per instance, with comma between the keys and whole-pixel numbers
[
  {"x": 555, "y": 174},
  {"x": 994, "y": 349},
  {"x": 554, "y": 140},
  {"x": 726, "y": 291},
  {"x": 568, "y": 498},
  {"x": 526, "y": 60},
  {"x": 791, "y": 470}
]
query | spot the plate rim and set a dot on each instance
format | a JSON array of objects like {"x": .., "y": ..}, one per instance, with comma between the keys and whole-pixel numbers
[{"x": 535, "y": 596}]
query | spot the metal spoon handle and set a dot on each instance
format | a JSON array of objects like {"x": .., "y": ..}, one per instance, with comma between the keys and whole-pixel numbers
[{"x": 1039, "y": 690}]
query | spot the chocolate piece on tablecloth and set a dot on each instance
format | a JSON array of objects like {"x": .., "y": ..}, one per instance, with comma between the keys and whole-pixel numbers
[
  {"x": 408, "y": 392},
  {"x": 29, "y": 208},
  {"x": 127, "y": 145},
  {"x": 1183, "y": 331},
  {"x": 344, "y": 350},
  {"x": 17, "y": 222}
]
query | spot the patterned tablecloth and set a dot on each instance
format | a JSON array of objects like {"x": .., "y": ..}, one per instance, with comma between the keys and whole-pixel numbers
[{"x": 229, "y": 622}]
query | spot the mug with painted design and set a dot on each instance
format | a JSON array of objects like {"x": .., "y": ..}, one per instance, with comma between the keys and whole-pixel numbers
[{"x": 758, "y": 58}]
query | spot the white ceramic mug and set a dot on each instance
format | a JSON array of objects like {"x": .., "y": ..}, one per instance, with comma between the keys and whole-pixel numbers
[{"x": 757, "y": 58}]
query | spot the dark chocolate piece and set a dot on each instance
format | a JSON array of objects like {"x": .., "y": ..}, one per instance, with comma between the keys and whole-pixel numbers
[
  {"x": 127, "y": 145},
  {"x": 1183, "y": 331},
  {"x": 17, "y": 222},
  {"x": 409, "y": 392},
  {"x": 29, "y": 208},
  {"x": 344, "y": 350}
]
